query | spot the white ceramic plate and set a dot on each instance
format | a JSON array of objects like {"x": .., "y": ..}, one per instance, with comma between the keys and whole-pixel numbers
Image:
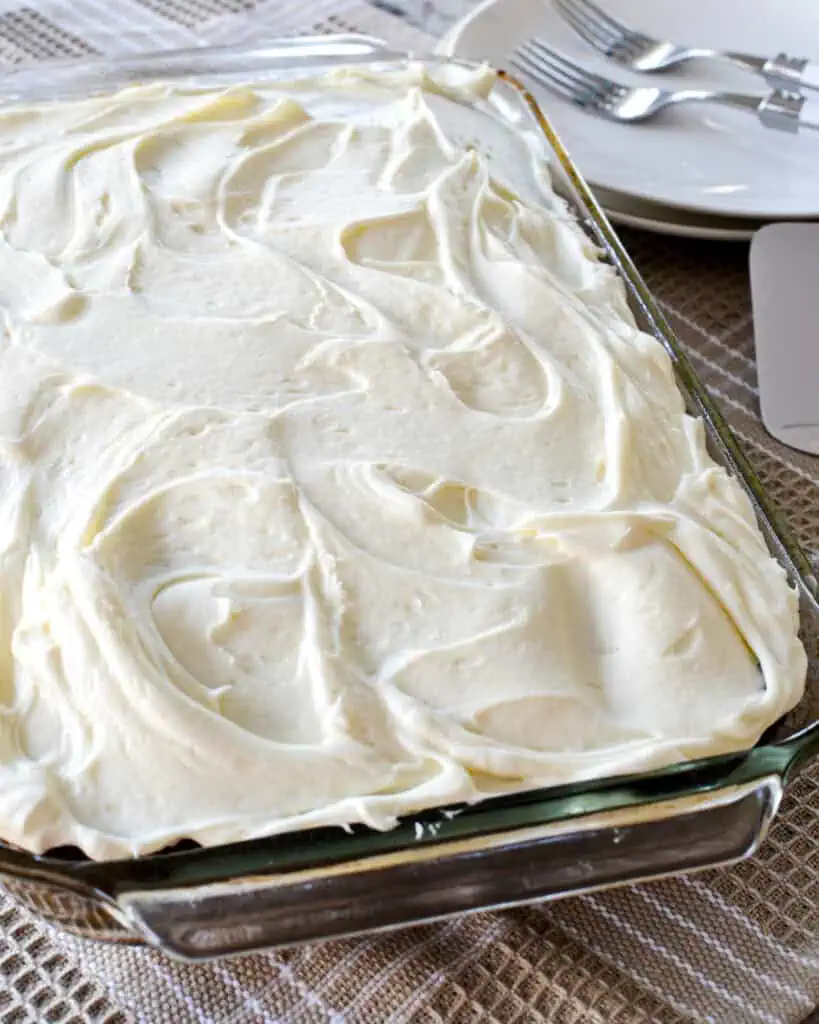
[
  {"x": 709, "y": 159},
  {"x": 679, "y": 229},
  {"x": 669, "y": 220}
]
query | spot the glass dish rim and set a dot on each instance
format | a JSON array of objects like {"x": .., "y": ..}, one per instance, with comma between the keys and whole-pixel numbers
[{"x": 567, "y": 803}]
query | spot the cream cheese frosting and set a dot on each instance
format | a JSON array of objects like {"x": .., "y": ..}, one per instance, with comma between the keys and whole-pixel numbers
[{"x": 336, "y": 480}]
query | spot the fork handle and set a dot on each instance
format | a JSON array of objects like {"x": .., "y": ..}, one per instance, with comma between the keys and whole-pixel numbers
[
  {"x": 788, "y": 112},
  {"x": 782, "y": 110},
  {"x": 780, "y": 72},
  {"x": 743, "y": 60},
  {"x": 784, "y": 72}
]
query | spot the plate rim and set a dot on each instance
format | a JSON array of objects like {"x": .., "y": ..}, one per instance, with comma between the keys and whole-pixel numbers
[{"x": 678, "y": 230}]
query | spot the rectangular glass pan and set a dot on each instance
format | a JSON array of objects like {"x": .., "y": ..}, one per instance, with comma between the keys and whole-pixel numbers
[{"x": 304, "y": 886}]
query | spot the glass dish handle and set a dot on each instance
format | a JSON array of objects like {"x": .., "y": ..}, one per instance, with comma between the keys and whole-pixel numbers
[{"x": 435, "y": 880}]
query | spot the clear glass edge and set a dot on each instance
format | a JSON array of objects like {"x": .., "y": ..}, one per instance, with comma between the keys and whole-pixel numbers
[
  {"x": 710, "y": 778},
  {"x": 539, "y": 863}
]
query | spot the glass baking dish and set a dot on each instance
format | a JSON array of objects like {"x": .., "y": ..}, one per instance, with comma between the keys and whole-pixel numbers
[{"x": 541, "y": 844}]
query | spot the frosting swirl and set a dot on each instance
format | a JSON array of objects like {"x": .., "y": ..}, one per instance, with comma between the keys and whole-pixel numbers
[{"x": 337, "y": 481}]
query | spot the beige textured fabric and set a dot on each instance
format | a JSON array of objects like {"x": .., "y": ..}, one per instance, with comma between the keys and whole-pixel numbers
[{"x": 737, "y": 946}]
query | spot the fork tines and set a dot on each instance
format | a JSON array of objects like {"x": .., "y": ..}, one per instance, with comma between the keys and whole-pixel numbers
[
  {"x": 562, "y": 76},
  {"x": 599, "y": 29}
]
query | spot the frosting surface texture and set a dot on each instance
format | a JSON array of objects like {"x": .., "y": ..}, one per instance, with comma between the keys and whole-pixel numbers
[{"x": 336, "y": 481}]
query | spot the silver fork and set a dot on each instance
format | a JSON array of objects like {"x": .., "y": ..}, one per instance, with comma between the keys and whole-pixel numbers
[
  {"x": 640, "y": 52},
  {"x": 598, "y": 95}
]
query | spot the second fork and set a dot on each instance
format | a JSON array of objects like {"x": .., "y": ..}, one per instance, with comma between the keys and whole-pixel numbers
[{"x": 642, "y": 52}]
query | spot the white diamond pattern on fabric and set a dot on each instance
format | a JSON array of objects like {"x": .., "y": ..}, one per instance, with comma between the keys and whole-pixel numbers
[
  {"x": 732, "y": 946},
  {"x": 131, "y": 26}
]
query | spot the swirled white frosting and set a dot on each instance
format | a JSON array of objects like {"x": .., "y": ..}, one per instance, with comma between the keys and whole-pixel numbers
[{"x": 337, "y": 482}]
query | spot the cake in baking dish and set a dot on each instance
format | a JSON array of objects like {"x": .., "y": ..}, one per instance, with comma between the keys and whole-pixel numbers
[{"x": 337, "y": 481}]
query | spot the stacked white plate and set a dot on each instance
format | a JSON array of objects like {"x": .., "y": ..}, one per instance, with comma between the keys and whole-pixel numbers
[{"x": 698, "y": 171}]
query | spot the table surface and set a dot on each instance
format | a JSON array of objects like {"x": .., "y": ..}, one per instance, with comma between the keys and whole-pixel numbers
[{"x": 737, "y": 946}]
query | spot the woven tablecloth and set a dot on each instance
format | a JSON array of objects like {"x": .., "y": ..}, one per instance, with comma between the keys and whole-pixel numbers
[{"x": 736, "y": 946}]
